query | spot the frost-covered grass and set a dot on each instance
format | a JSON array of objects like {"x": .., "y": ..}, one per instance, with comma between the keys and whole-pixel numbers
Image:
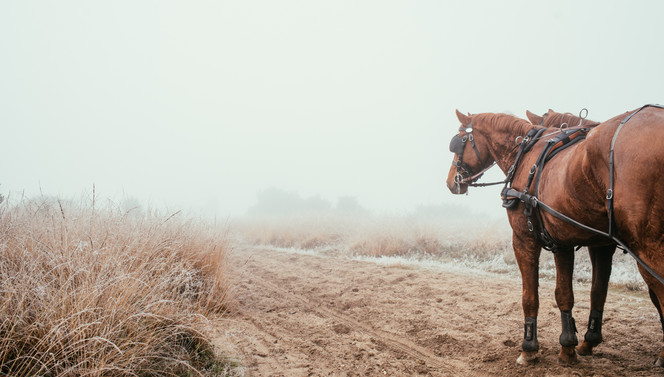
[
  {"x": 478, "y": 243},
  {"x": 86, "y": 291}
]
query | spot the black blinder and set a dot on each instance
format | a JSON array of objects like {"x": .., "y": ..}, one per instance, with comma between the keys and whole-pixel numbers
[{"x": 457, "y": 144}]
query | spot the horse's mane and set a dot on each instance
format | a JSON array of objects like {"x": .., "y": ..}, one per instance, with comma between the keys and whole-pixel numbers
[
  {"x": 506, "y": 122},
  {"x": 503, "y": 128},
  {"x": 553, "y": 119}
]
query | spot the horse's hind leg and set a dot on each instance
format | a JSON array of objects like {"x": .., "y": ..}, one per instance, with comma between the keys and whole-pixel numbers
[
  {"x": 653, "y": 297},
  {"x": 656, "y": 291},
  {"x": 565, "y": 299},
  {"x": 655, "y": 301},
  {"x": 601, "y": 258}
]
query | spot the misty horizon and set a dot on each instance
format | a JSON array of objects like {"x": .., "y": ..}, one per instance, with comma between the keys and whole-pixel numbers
[{"x": 204, "y": 105}]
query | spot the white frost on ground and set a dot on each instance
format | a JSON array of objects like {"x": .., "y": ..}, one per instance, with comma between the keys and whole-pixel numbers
[{"x": 624, "y": 270}]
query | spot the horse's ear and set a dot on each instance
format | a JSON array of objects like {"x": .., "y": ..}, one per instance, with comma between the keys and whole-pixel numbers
[
  {"x": 464, "y": 119},
  {"x": 550, "y": 111},
  {"x": 534, "y": 118}
]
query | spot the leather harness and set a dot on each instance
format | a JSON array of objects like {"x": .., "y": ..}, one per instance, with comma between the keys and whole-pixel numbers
[
  {"x": 533, "y": 206},
  {"x": 553, "y": 146},
  {"x": 532, "y": 202}
]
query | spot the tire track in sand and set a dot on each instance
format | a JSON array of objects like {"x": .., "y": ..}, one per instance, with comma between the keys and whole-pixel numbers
[
  {"x": 390, "y": 340},
  {"x": 263, "y": 276}
]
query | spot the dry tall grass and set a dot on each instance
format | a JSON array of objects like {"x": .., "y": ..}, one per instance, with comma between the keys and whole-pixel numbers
[
  {"x": 90, "y": 292},
  {"x": 378, "y": 235}
]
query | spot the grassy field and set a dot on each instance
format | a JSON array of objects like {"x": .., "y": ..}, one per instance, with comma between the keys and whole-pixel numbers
[
  {"x": 470, "y": 242},
  {"x": 88, "y": 291}
]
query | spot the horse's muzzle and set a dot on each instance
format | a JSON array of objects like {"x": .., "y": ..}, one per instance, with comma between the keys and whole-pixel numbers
[{"x": 456, "y": 187}]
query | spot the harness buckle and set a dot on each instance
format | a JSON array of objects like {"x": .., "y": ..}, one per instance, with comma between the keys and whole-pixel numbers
[
  {"x": 528, "y": 211},
  {"x": 609, "y": 194},
  {"x": 533, "y": 169}
]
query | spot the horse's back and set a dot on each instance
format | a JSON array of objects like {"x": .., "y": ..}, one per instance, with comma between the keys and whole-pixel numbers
[
  {"x": 577, "y": 181},
  {"x": 639, "y": 176}
]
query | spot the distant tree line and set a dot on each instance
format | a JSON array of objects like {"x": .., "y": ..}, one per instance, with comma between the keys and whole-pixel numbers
[{"x": 275, "y": 201}]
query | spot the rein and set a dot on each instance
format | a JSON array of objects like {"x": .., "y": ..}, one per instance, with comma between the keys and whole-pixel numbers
[{"x": 470, "y": 180}]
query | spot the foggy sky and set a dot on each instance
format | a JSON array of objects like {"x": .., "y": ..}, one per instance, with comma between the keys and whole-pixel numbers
[{"x": 202, "y": 104}]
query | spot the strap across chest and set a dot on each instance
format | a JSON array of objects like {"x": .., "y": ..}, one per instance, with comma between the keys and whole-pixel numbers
[{"x": 511, "y": 197}]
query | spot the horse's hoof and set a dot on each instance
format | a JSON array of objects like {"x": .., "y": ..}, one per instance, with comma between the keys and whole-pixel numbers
[
  {"x": 659, "y": 362},
  {"x": 585, "y": 349},
  {"x": 567, "y": 355},
  {"x": 527, "y": 358}
]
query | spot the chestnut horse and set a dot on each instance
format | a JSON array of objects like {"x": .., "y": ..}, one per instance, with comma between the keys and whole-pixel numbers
[
  {"x": 601, "y": 258},
  {"x": 575, "y": 184}
]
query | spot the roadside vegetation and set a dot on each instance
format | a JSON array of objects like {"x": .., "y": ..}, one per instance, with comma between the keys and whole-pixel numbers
[{"x": 90, "y": 290}]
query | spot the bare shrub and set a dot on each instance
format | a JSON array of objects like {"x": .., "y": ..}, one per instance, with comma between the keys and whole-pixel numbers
[{"x": 85, "y": 291}]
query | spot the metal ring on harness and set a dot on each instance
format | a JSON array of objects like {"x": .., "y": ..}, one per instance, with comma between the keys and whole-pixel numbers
[
  {"x": 533, "y": 201},
  {"x": 583, "y": 117}
]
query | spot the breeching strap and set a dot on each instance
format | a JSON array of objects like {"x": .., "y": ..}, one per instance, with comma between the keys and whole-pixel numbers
[{"x": 609, "y": 193}]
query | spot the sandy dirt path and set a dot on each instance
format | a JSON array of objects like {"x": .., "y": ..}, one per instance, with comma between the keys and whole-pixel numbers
[{"x": 297, "y": 314}]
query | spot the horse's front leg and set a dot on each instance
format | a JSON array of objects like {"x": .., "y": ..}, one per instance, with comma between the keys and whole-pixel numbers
[
  {"x": 527, "y": 252},
  {"x": 601, "y": 258},
  {"x": 564, "y": 259}
]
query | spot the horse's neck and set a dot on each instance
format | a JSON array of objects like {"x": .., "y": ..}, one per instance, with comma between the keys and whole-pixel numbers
[{"x": 502, "y": 131}]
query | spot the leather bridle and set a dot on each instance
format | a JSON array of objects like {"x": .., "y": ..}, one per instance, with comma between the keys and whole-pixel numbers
[
  {"x": 464, "y": 176},
  {"x": 457, "y": 145}
]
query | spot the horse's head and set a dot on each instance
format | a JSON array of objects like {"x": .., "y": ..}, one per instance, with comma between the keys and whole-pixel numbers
[
  {"x": 471, "y": 156},
  {"x": 564, "y": 120}
]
